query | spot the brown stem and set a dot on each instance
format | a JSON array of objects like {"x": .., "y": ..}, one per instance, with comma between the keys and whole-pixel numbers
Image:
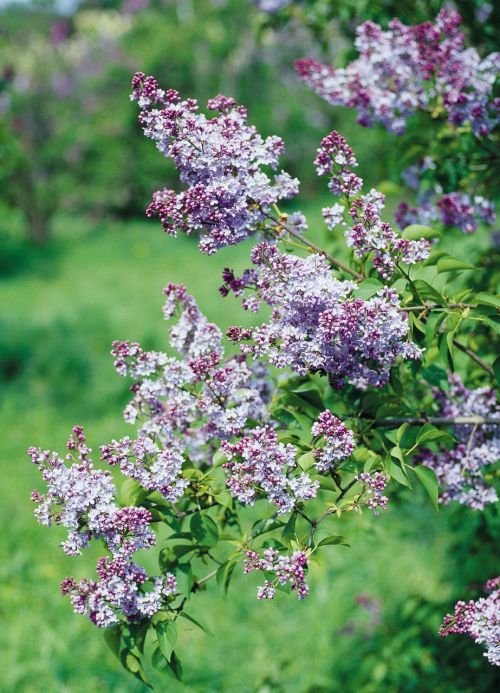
[
  {"x": 472, "y": 355},
  {"x": 437, "y": 421}
]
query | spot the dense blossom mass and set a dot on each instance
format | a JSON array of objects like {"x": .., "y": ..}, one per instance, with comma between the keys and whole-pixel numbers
[
  {"x": 366, "y": 232},
  {"x": 338, "y": 441},
  {"x": 409, "y": 68},
  {"x": 287, "y": 570},
  {"x": 317, "y": 325},
  {"x": 480, "y": 620},
  {"x": 258, "y": 463},
  {"x": 460, "y": 470},
  {"x": 82, "y": 499},
  {"x": 219, "y": 159},
  {"x": 183, "y": 405}
]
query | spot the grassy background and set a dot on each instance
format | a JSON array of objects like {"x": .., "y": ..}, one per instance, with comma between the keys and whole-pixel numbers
[{"x": 61, "y": 308}]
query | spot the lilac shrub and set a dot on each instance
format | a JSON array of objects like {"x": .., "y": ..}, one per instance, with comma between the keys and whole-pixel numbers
[{"x": 479, "y": 619}]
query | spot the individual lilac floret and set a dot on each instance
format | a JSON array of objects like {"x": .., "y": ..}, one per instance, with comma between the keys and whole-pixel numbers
[
  {"x": 374, "y": 485},
  {"x": 121, "y": 591},
  {"x": 287, "y": 570},
  {"x": 480, "y": 620},
  {"x": 410, "y": 68},
  {"x": 460, "y": 470},
  {"x": 317, "y": 326},
  {"x": 219, "y": 159},
  {"x": 185, "y": 405},
  {"x": 258, "y": 464},
  {"x": 339, "y": 441},
  {"x": 368, "y": 234}
]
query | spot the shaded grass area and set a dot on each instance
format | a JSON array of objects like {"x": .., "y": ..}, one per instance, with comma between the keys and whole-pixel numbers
[{"x": 100, "y": 282}]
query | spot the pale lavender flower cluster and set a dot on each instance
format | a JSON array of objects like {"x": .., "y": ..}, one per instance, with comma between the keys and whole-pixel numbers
[
  {"x": 479, "y": 619},
  {"x": 460, "y": 470},
  {"x": 409, "y": 68},
  {"x": 220, "y": 160},
  {"x": 82, "y": 499},
  {"x": 317, "y": 326},
  {"x": 271, "y": 6},
  {"x": 374, "y": 485},
  {"x": 184, "y": 405},
  {"x": 287, "y": 570},
  {"x": 339, "y": 441},
  {"x": 369, "y": 234},
  {"x": 259, "y": 464}
]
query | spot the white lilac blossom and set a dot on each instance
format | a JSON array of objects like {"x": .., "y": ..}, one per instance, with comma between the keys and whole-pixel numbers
[
  {"x": 82, "y": 499},
  {"x": 480, "y": 620},
  {"x": 184, "y": 406},
  {"x": 374, "y": 484},
  {"x": 284, "y": 570},
  {"x": 271, "y": 6},
  {"x": 368, "y": 234},
  {"x": 409, "y": 68},
  {"x": 219, "y": 159},
  {"x": 259, "y": 464},
  {"x": 460, "y": 470},
  {"x": 339, "y": 441},
  {"x": 316, "y": 325}
]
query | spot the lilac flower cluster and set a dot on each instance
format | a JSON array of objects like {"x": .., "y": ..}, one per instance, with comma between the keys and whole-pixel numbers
[
  {"x": 82, "y": 499},
  {"x": 479, "y": 619},
  {"x": 317, "y": 326},
  {"x": 452, "y": 209},
  {"x": 460, "y": 470},
  {"x": 258, "y": 464},
  {"x": 271, "y": 6},
  {"x": 221, "y": 161},
  {"x": 411, "y": 68},
  {"x": 184, "y": 405},
  {"x": 374, "y": 484},
  {"x": 339, "y": 441},
  {"x": 369, "y": 234},
  {"x": 287, "y": 570}
]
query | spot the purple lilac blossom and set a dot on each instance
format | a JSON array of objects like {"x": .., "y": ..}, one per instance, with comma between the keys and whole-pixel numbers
[
  {"x": 409, "y": 68},
  {"x": 374, "y": 484},
  {"x": 368, "y": 234},
  {"x": 339, "y": 441},
  {"x": 258, "y": 463},
  {"x": 460, "y": 470},
  {"x": 479, "y": 619},
  {"x": 219, "y": 159},
  {"x": 185, "y": 405},
  {"x": 317, "y": 326},
  {"x": 288, "y": 570}
]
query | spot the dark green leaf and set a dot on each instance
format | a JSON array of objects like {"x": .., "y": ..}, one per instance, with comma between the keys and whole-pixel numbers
[
  {"x": 200, "y": 622},
  {"x": 306, "y": 461},
  {"x": 415, "y": 232},
  {"x": 112, "y": 638},
  {"x": 427, "y": 292},
  {"x": 367, "y": 288},
  {"x": 225, "y": 573},
  {"x": 452, "y": 264},
  {"x": 429, "y": 481},
  {"x": 289, "y": 529},
  {"x": 333, "y": 540}
]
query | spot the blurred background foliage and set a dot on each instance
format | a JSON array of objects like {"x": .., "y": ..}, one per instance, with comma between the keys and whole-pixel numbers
[{"x": 79, "y": 267}]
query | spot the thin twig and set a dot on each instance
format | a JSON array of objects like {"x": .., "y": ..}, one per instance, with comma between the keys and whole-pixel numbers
[
  {"x": 472, "y": 355},
  {"x": 437, "y": 421}
]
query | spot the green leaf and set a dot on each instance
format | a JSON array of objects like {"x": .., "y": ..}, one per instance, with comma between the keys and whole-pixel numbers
[
  {"x": 133, "y": 664},
  {"x": 427, "y": 292},
  {"x": 487, "y": 299},
  {"x": 428, "y": 433},
  {"x": 415, "y": 232},
  {"x": 289, "y": 529},
  {"x": 112, "y": 638},
  {"x": 452, "y": 264},
  {"x": 132, "y": 493},
  {"x": 496, "y": 368},
  {"x": 325, "y": 483},
  {"x": 166, "y": 632},
  {"x": 204, "y": 529},
  {"x": 367, "y": 288},
  {"x": 306, "y": 461},
  {"x": 334, "y": 539},
  {"x": 200, "y": 622},
  {"x": 265, "y": 525},
  {"x": 225, "y": 573},
  {"x": 432, "y": 325},
  {"x": 429, "y": 481},
  {"x": 396, "y": 472},
  {"x": 219, "y": 458}
]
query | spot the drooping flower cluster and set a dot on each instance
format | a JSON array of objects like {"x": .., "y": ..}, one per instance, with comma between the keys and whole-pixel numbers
[
  {"x": 374, "y": 485},
  {"x": 316, "y": 325},
  {"x": 287, "y": 570},
  {"x": 409, "y": 68},
  {"x": 339, "y": 441},
  {"x": 452, "y": 209},
  {"x": 220, "y": 160},
  {"x": 460, "y": 470},
  {"x": 184, "y": 405},
  {"x": 258, "y": 464},
  {"x": 479, "y": 619},
  {"x": 82, "y": 499},
  {"x": 369, "y": 234}
]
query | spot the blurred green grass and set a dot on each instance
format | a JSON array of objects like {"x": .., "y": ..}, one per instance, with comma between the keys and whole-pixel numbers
[{"x": 99, "y": 282}]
